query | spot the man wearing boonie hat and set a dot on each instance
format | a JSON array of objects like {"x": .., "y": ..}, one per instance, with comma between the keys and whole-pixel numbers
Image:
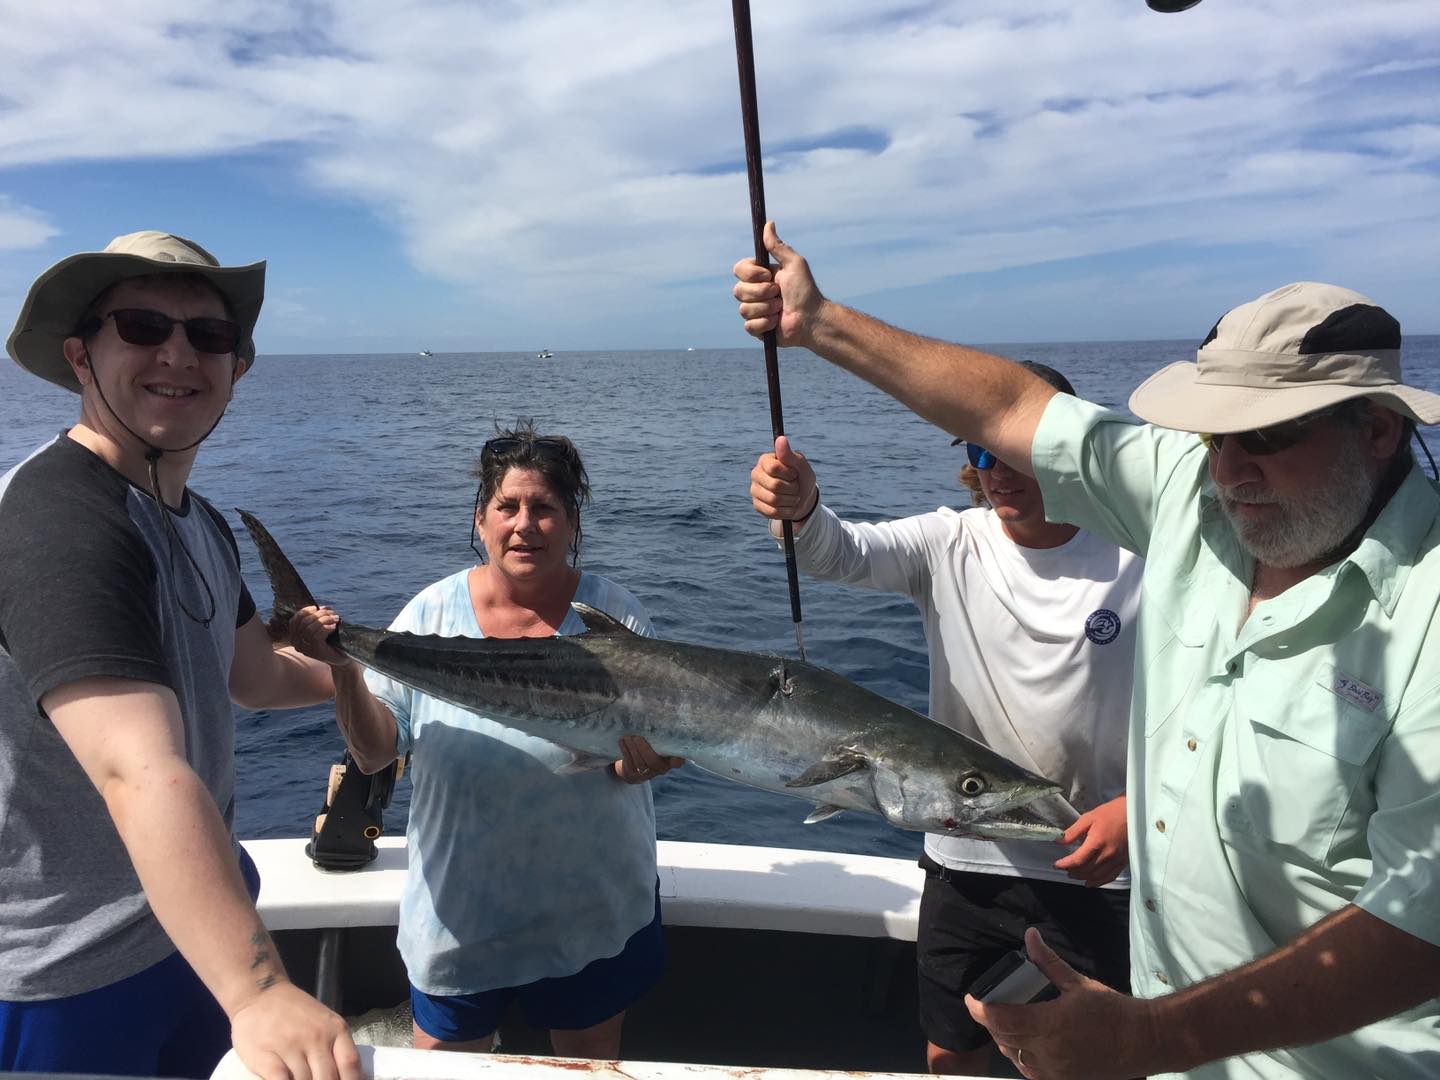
[
  {"x": 125, "y": 631},
  {"x": 1030, "y": 631},
  {"x": 1284, "y": 774}
]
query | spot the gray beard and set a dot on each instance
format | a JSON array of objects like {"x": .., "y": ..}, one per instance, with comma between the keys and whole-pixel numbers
[{"x": 1310, "y": 525}]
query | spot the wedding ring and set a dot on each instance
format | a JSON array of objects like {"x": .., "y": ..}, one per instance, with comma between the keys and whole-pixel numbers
[{"x": 1020, "y": 1057}]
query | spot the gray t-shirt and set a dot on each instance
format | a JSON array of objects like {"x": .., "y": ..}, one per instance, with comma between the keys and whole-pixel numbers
[{"x": 91, "y": 586}]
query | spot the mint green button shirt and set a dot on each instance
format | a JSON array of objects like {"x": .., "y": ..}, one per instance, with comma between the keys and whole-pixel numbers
[{"x": 1281, "y": 769}]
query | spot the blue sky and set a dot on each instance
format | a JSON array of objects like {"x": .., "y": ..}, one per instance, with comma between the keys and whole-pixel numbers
[{"x": 473, "y": 176}]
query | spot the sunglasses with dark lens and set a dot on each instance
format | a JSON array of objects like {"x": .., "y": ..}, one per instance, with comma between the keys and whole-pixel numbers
[
  {"x": 979, "y": 456},
  {"x": 549, "y": 447},
  {"x": 1273, "y": 439},
  {"x": 144, "y": 327}
]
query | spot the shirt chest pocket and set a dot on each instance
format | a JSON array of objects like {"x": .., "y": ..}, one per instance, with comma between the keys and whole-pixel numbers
[{"x": 1296, "y": 765}]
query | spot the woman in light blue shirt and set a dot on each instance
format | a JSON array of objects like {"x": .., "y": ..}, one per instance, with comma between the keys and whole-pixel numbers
[{"x": 523, "y": 882}]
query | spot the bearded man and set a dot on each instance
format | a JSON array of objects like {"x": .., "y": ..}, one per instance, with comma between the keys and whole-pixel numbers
[{"x": 1284, "y": 764}]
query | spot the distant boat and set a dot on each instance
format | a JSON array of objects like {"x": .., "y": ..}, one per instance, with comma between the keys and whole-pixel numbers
[
  {"x": 690, "y": 348},
  {"x": 544, "y": 354},
  {"x": 426, "y": 352}
]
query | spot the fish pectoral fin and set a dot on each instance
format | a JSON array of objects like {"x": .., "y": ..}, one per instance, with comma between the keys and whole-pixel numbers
[
  {"x": 822, "y": 813},
  {"x": 598, "y": 622},
  {"x": 582, "y": 763},
  {"x": 831, "y": 767}
]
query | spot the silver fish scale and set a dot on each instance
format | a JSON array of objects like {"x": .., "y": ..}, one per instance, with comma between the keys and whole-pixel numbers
[{"x": 585, "y": 691}]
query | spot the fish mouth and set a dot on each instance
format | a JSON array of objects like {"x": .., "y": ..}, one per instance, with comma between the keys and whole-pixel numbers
[
  {"x": 1015, "y": 822},
  {"x": 1008, "y": 818}
]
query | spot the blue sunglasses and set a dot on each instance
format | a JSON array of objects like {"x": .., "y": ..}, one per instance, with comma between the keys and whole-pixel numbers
[{"x": 979, "y": 456}]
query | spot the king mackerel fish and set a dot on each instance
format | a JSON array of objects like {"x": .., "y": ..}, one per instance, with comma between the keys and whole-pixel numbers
[{"x": 766, "y": 721}]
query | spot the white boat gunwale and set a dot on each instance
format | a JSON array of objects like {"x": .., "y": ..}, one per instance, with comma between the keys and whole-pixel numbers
[{"x": 704, "y": 885}]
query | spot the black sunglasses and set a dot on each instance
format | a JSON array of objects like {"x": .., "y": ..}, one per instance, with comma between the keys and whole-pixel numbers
[
  {"x": 548, "y": 447},
  {"x": 148, "y": 328},
  {"x": 1273, "y": 439}
]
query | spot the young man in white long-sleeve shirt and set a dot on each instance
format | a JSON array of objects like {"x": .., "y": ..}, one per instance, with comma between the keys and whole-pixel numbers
[{"x": 1031, "y": 641}]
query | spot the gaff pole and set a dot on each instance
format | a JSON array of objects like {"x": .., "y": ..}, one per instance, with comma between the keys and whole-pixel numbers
[{"x": 745, "y": 59}]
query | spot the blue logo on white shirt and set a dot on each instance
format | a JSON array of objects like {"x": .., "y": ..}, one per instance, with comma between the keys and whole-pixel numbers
[{"x": 1102, "y": 626}]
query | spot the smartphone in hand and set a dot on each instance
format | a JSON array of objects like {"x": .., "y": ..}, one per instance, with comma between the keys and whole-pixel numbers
[{"x": 1011, "y": 980}]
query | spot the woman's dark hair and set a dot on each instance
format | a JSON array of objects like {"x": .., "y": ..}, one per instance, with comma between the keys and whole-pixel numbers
[{"x": 554, "y": 457}]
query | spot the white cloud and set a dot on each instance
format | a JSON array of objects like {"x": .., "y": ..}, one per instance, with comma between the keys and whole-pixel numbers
[
  {"x": 22, "y": 227},
  {"x": 561, "y": 154}
]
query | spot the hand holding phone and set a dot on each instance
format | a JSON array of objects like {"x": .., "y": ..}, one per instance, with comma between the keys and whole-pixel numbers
[{"x": 1011, "y": 980}]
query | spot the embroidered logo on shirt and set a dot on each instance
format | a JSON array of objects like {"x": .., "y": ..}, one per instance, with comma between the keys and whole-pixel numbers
[
  {"x": 1356, "y": 692},
  {"x": 1102, "y": 626}
]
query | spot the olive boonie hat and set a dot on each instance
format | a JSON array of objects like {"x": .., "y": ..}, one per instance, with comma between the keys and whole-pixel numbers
[
  {"x": 61, "y": 294},
  {"x": 1292, "y": 351}
]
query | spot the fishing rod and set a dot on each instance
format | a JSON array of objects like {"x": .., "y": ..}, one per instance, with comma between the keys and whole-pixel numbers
[{"x": 745, "y": 59}]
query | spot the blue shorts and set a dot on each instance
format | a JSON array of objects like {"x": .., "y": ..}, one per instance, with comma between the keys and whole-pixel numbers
[
  {"x": 598, "y": 991},
  {"x": 159, "y": 1022}
]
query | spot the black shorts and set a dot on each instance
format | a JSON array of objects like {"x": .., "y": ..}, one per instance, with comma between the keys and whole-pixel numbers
[{"x": 969, "y": 920}]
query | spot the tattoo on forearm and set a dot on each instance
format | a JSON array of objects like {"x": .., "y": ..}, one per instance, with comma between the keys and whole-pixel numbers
[{"x": 262, "y": 957}]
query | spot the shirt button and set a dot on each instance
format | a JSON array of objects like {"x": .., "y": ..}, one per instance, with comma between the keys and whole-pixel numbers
[
  {"x": 1160, "y": 976},
  {"x": 1149, "y": 905},
  {"x": 1160, "y": 824},
  {"x": 1191, "y": 744}
]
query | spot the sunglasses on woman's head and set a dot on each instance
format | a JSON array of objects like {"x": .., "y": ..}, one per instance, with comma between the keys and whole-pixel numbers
[
  {"x": 979, "y": 456},
  {"x": 147, "y": 328},
  {"x": 549, "y": 447},
  {"x": 1260, "y": 442}
]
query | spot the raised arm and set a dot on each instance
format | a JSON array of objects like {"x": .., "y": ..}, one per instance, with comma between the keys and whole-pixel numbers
[
  {"x": 128, "y": 737},
  {"x": 969, "y": 393}
]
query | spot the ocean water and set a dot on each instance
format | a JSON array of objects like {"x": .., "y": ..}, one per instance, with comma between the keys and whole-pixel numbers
[{"x": 360, "y": 465}]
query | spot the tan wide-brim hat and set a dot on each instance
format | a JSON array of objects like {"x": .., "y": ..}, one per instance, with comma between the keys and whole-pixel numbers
[
  {"x": 1300, "y": 348},
  {"x": 61, "y": 295}
]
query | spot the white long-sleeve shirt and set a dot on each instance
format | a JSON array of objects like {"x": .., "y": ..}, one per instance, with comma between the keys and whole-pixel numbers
[{"x": 1031, "y": 652}]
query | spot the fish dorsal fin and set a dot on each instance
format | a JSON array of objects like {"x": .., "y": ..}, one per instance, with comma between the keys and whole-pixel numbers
[
  {"x": 823, "y": 813},
  {"x": 839, "y": 762},
  {"x": 597, "y": 622}
]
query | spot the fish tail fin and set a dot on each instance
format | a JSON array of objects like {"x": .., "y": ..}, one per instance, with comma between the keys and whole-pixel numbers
[{"x": 290, "y": 591}]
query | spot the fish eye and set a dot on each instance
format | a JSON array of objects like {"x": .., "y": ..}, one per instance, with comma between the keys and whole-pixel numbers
[{"x": 972, "y": 784}]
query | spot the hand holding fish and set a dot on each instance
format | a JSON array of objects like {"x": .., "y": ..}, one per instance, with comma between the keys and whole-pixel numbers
[
  {"x": 309, "y": 629},
  {"x": 1104, "y": 849},
  {"x": 782, "y": 484},
  {"x": 785, "y": 299},
  {"x": 1090, "y": 1031},
  {"x": 639, "y": 762}
]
